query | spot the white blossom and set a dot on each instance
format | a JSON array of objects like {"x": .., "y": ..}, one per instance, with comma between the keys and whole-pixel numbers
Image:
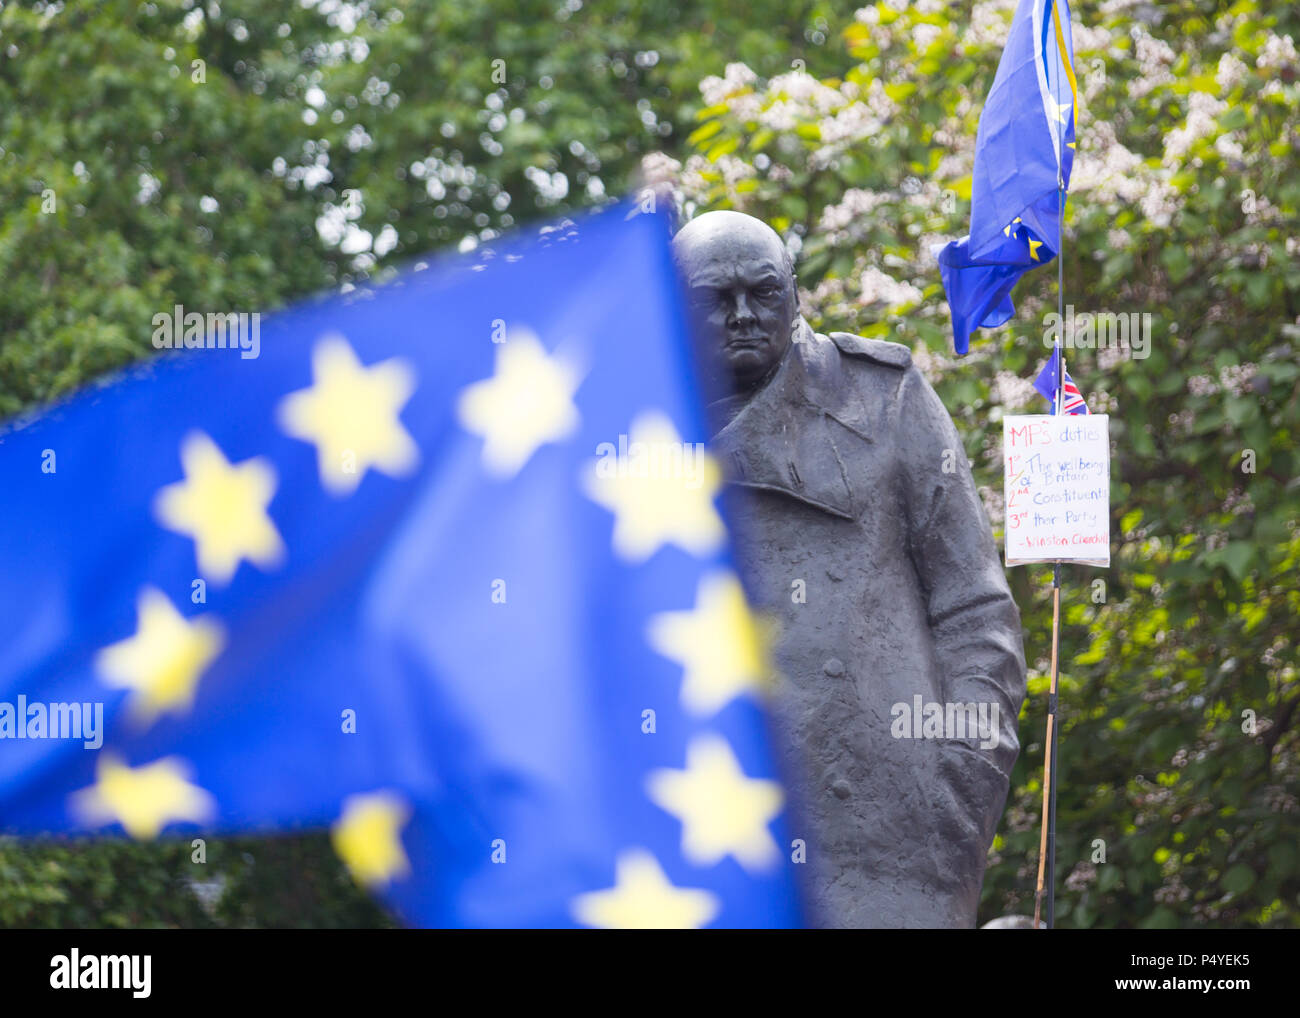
[
  {"x": 806, "y": 92},
  {"x": 1012, "y": 391},
  {"x": 1236, "y": 378},
  {"x": 853, "y": 208},
  {"x": 737, "y": 78},
  {"x": 734, "y": 169},
  {"x": 989, "y": 21},
  {"x": 924, "y": 34},
  {"x": 1231, "y": 72},
  {"x": 1159, "y": 203},
  {"x": 876, "y": 287},
  {"x": 1089, "y": 38},
  {"x": 693, "y": 183},
  {"x": 780, "y": 173},
  {"x": 1154, "y": 57},
  {"x": 780, "y": 116},
  {"x": 1279, "y": 51},
  {"x": 1265, "y": 212},
  {"x": 1109, "y": 358},
  {"x": 1228, "y": 147},
  {"x": 1203, "y": 111},
  {"x": 659, "y": 168},
  {"x": 1107, "y": 168},
  {"x": 878, "y": 101}
]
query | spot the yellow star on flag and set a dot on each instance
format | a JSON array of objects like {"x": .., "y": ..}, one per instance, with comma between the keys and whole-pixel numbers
[
  {"x": 223, "y": 507},
  {"x": 1034, "y": 245},
  {"x": 161, "y": 664},
  {"x": 1007, "y": 229},
  {"x": 526, "y": 403},
  {"x": 720, "y": 646},
  {"x": 642, "y": 898},
  {"x": 722, "y": 811},
  {"x": 367, "y": 838},
  {"x": 351, "y": 413},
  {"x": 142, "y": 799},
  {"x": 661, "y": 491}
]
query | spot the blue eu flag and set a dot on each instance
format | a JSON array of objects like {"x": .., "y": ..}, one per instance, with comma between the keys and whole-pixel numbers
[
  {"x": 1023, "y": 155},
  {"x": 439, "y": 569}
]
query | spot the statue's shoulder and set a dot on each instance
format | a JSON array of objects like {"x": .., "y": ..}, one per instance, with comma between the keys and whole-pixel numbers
[{"x": 892, "y": 355}]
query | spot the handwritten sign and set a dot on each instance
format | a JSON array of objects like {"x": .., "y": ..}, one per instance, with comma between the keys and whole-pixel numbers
[{"x": 1057, "y": 485}]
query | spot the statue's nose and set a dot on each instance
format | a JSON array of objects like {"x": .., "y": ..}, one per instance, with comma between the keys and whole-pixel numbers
[{"x": 741, "y": 312}]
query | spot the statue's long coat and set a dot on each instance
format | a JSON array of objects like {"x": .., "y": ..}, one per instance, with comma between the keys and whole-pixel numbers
[{"x": 858, "y": 526}]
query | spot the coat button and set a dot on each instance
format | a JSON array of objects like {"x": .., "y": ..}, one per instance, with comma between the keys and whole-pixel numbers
[
  {"x": 834, "y": 667},
  {"x": 841, "y": 789}
]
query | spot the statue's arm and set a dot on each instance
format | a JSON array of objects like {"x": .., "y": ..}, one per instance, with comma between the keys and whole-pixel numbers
[{"x": 973, "y": 618}]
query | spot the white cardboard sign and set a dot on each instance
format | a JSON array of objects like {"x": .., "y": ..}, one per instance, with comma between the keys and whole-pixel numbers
[{"x": 1056, "y": 473}]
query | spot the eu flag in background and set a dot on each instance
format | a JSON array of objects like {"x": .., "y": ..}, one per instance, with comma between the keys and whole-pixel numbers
[
  {"x": 1054, "y": 377},
  {"x": 439, "y": 570},
  {"x": 1023, "y": 155}
]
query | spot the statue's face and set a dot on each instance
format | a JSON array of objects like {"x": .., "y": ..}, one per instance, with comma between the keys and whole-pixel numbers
[{"x": 741, "y": 294}]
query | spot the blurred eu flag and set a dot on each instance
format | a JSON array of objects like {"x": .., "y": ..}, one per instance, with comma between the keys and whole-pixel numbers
[
  {"x": 1023, "y": 155},
  {"x": 440, "y": 570}
]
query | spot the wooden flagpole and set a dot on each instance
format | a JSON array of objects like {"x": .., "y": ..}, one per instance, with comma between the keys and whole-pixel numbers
[{"x": 1047, "y": 842}]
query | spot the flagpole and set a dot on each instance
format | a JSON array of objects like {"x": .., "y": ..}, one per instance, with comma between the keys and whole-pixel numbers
[{"x": 1047, "y": 842}]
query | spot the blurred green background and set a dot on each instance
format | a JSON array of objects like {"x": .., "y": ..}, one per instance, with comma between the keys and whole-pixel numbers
[{"x": 243, "y": 154}]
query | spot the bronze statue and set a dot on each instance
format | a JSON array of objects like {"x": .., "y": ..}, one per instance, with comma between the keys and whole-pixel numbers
[{"x": 857, "y": 525}]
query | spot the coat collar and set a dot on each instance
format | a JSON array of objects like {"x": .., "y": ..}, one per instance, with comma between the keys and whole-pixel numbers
[{"x": 794, "y": 434}]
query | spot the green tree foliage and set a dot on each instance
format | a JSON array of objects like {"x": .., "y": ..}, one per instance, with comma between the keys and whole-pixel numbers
[
  {"x": 1179, "y": 685},
  {"x": 241, "y": 154},
  {"x": 277, "y": 883}
]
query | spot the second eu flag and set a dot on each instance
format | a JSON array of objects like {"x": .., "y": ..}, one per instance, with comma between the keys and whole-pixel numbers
[{"x": 1023, "y": 155}]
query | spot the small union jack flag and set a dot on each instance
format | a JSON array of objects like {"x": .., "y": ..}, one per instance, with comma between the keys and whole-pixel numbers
[{"x": 1072, "y": 401}]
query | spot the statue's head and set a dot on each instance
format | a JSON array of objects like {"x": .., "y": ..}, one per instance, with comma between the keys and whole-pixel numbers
[{"x": 742, "y": 294}]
